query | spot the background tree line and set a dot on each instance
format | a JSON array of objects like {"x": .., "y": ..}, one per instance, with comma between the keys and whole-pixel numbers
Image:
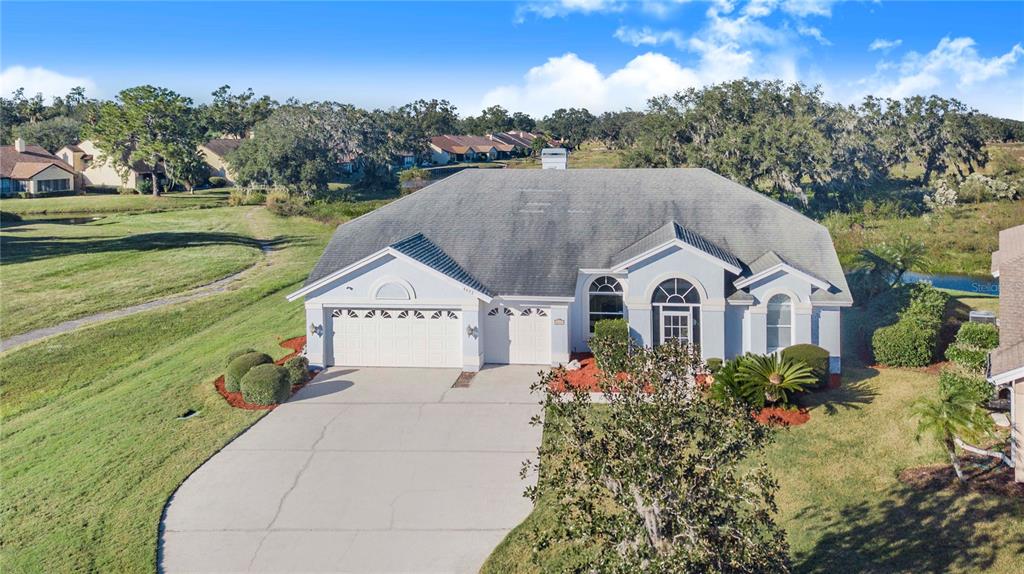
[{"x": 784, "y": 140}]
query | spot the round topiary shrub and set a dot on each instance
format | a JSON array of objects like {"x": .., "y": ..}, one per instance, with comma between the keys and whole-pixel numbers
[
  {"x": 980, "y": 335},
  {"x": 237, "y": 353},
  {"x": 298, "y": 370},
  {"x": 610, "y": 344},
  {"x": 240, "y": 366},
  {"x": 905, "y": 344},
  {"x": 814, "y": 356},
  {"x": 217, "y": 181},
  {"x": 266, "y": 384}
]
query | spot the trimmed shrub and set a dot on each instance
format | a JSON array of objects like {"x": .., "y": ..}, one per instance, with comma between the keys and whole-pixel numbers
[
  {"x": 217, "y": 181},
  {"x": 266, "y": 384},
  {"x": 952, "y": 382},
  {"x": 814, "y": 356},
  {"x": 298, "y": 370},
  {"x": 237, "y": 353},
  {"x": 240, "y": 366},
  {"x": 144, "y": 185},
  {"x": 905, "y": 344},
  {"x": 972, "y": 344},
  {"x": 610, "y": 344},
  {"x": 926, "y": 302},
  {"x": 714, "y": 364},
  {"x": 980, "y": 335}
]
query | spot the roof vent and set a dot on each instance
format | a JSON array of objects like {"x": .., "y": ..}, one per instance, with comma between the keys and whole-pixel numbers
[
  {"x": 554, "y": 158},
  {"x": 19, "y": 145}
]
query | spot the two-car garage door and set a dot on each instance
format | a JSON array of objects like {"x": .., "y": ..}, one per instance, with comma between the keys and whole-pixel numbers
[{"x": 397, "y": 337}]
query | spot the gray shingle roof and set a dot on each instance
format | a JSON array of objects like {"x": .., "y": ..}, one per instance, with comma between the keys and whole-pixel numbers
[
  {"x": 668, "y": 232},
  {"x": 528, "y": 232},
  {"x": 771, "y": 259},
  {"x": 423, "y": 250}
]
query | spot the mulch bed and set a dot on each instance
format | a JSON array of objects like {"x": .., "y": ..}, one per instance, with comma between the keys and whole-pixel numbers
[
  {"x": 587, "y": 375},
  {"x": 235, "y": 399},
  {"x": 984, "y": 475}
]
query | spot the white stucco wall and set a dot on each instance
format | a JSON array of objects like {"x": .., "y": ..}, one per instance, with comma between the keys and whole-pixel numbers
[
  {"x": 428, "y": 289},
  {"x": 102, "y": 174}
]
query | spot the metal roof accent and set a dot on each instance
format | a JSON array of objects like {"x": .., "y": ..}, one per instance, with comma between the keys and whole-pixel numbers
[{"x": 421, "y": 249}]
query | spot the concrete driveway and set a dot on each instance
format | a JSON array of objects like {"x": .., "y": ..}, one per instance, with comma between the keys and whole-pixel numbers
[{"x": 364, "y": 470}]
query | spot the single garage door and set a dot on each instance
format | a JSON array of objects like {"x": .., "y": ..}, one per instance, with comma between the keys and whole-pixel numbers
[
  {"x": 396, "y": 337},
  {"x": 515, "y": 335}
]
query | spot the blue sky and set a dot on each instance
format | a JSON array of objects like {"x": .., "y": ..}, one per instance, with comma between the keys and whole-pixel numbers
[{"x": 529, "y": 56}]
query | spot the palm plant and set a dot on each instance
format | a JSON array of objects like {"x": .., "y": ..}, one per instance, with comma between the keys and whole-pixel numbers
[
  {"x": 726, "y": 385},
  {"x": 891, "y": 260},
  {"x": 950, "y": 417},
  {"x": 769, "y": 379}
]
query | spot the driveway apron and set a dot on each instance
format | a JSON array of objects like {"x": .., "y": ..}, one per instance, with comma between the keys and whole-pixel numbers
[{"x": 364, "y": 470}]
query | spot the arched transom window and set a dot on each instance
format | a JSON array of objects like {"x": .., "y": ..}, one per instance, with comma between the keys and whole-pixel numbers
[
  {"x": 393, "y": 291},
  {"x": 780, "y": 323},
  {"x": 605, "y": 300},
  {"x": 675, "y": 309}
]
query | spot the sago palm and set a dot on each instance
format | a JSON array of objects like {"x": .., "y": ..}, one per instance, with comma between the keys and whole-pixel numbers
[
  {"x": 949, "y": 417},
  {"x": 769, "y": 379}
]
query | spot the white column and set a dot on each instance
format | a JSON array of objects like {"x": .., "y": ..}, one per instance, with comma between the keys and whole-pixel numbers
[
  {"x": 801, "y": 323},
  {"x": 639, "y": 319},
  {"x": 472, "y": 337},
  {"x": 318, "y": 334},
  {"x": 1017, "y": 429},
  {"x": 829, "y": 336},
  {"x": 757, "y": 321},
  {"x": 712, "y": 334},
  {"x": 559, "y": 334}
]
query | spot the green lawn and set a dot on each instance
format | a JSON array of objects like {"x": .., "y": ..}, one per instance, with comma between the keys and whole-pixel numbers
[
  {"x": 839, "y": 499},
  {"x": 960, "y": 240},
  {"x": 53, "y": 272},
  {"x": 591, "y": 155},
  {"x": 90, "y": 443},
  {"x": 113, "y": 203}
]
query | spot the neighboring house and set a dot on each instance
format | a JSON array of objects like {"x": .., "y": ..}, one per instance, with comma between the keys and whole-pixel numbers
[
  {"x": 84, "y": 158},
  {"x": 1006, "y": 363},
  {"x": 448, "y": 148},
  {"x": 516, "y": 266},
  {"x": 520, "y": 140},
  {"x": 32, "y": 169},
  {"x": 215, "y": 152}
]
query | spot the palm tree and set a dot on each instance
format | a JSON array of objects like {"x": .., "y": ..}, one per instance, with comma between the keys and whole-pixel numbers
[
  {"x": 949, "y": 417},
  {"x": 891, "y": 260},
  {"x": 770, "y": 378}
]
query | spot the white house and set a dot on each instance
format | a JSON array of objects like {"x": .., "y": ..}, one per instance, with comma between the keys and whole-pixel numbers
[
  {"x": 516, "y": 266},
  {"x": 85, "y": 156}
]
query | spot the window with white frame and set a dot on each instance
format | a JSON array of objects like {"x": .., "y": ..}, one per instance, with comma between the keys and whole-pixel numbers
[
  {"x": 605, "y": 300},
  {"x": 780, "y": 323}
]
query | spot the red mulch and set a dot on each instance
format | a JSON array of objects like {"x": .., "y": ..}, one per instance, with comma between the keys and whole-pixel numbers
[
  {"x": 782, "y": 417},
  {"x": 235, "y": 399},
  {"x": 587, "y": 375},
  {"x": 984, "y": 475}
]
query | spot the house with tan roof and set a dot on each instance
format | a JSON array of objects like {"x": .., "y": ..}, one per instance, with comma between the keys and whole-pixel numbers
[
  {"x": 446, "y": 149},
  {"x": 216, "y": 152},
  {"x": 33, "y": 170},
  {"x": 1006, "y": 363}
]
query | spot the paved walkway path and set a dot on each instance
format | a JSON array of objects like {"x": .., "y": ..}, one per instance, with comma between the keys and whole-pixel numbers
[
  {"x": 364, "y": 470},
  {"x": 217, "y": 286}
]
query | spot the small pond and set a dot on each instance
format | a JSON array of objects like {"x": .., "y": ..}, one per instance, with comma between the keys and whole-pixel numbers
[{"x": 971, "y": 283}]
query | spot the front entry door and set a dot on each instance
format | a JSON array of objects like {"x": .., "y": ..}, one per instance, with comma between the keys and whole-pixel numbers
[{"x": 675, "y": 325}]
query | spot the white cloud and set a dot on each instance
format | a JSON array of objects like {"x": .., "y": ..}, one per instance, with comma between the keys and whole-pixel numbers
[
  {"x": 648, "y": 37},
  {"x": 812, "y": 32},
  {"x": 804, "y": 8},
  {"x": 883, "y": 44},
  {"x": 556, "y": 8},
  {"x": 39, "y": 80},
  {"x": 953, "y": 61}
]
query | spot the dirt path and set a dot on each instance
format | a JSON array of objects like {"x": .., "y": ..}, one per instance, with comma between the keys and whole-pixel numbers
[{"x": 218, "y": 286}]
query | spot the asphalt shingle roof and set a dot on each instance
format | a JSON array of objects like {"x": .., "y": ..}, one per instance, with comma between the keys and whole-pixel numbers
[
  {"x": 668, "y": 232},
  {"x": 528, "y": 232},
  {"x": 423, "y": 250}
]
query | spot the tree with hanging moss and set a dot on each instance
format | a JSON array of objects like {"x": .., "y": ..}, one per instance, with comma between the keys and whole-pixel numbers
[{"x": 662, "y": 479}]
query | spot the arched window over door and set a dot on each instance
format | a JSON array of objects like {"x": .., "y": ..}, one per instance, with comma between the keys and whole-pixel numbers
[
  {"x": 675, "y": 308},
  {"x": 605, "y": 295},
  {"x": 779, "y": 323}
]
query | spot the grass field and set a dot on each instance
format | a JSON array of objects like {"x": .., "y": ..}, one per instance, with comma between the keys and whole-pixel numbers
[
  {"x": 960, "y": 240},
  {"x": 113, "y": 203},
  {"x": 90, "y": 440},
  {"x": 53, "y": 272},
  {"x": 591, "y": 155},
  {"x": 839, "y": 499}
]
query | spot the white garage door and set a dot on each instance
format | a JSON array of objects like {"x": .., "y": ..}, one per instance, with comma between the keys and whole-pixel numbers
[
  {"x": 396, "y": 338},
  {"x": 517, "y": 336}
]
